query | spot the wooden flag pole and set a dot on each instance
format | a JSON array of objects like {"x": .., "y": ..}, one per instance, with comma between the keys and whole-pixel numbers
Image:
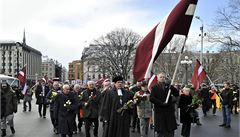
[
  {"x": 214, "y": 87},
  {"x": 176, "y": 68}
]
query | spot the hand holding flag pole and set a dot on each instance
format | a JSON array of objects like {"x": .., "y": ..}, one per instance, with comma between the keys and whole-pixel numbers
[{"x": 214, "y": 87}]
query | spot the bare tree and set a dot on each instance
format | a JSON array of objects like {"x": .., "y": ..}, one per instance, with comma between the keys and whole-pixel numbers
[
  {"x": 226, "y": 27},
  {"x": 114, "y": 52}
]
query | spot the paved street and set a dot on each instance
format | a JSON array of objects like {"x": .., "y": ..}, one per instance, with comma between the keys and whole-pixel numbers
[{"x": 28, "y": 124}]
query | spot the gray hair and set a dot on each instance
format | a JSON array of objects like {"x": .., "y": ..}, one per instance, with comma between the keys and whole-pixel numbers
[
  {"x": 90, "y": 82},
  {"x": 65, "y": 86},
  {"x": 76, "y": 86}
]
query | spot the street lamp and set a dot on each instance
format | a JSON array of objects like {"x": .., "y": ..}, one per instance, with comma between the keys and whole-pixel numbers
[
  {"x": 186, "y": 62},
  {"x": 202, "y": 35}
]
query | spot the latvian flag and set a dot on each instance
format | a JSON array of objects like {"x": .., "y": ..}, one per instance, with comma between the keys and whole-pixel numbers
[
  {"x": 198, "y": 76},
  {"x": 22, "y": 78},
  {"x": 177, "y": 22}
]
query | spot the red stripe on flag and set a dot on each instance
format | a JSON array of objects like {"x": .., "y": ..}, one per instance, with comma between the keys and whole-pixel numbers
[
  {"x": 198, "y": 76},
  {"x": 152, "y": 81},
  {"x": 22, "y": 76},
  {"x": 178, "y": 22}
]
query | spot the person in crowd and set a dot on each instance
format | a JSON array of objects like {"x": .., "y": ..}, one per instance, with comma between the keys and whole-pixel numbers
[
  {"x": 213, "y": 95},
  {"x": 235, "y": 101},
  {"x": 10, "y": 108},
  {"x": 164, "y": 117},
  {"x": 106, "y": 88},
  {"x": 186, "y": 109},
  {"x": 90, "y": 104},
  {"x": 41, "y": 93},
  {"x": 65, "y": 105},
  {"x": 135, "y": 119},
  {"x": 78, "y": 94},
  {"x": 51, "y": 97},
  {"x": 27, "y": 99},
  {"x": 144, "y": 108},
  {"x": 18, "y": 93},
  {"x": 206, "y": 100},
  {"x": 227, "y": 96},
  {"x": 3, "y": 109},
  {"x": 116, "y": 117}
]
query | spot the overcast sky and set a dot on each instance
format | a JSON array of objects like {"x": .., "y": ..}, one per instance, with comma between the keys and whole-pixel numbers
[{"x": 60, "y": 29}]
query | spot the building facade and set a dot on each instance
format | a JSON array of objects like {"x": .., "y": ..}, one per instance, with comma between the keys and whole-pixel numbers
[
  {"x": 75, "y": 72},
  {"x": 14, "y": 55},
  {"x": 48, "y": 68}
]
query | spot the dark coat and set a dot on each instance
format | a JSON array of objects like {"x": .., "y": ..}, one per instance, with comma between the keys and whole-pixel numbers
[
  {"x": 92, "y": 109},
  {"x": 227, "y": 96},
  {"x": 65, "y": 116},
  {"x": 206, "y": 100},
  {"x": 38, "y": 93},
  {"x": 51, "y": 100},
  {"x": 11, "y": 101},
  {"x": 116, "y": 125},
  {"x": 3, "y": 104},
  {"x": 185, "y": 108},
  {"x": 164, "y": 116}
]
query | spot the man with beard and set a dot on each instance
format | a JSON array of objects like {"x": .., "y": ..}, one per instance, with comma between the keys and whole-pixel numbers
[
  {"x": 90, "y": 104},
  {"x": 10, "y": 109},
  {"x": 164, "y": 113},
  {"x": 66, "y": 105},
  {"x": 116, "y": 124}
]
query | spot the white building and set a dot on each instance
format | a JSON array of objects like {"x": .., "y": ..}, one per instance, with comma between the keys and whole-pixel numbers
[{"x": 14, "y": 55}]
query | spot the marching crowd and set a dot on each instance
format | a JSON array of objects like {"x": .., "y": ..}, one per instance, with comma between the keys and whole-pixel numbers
[{"x": 119, "y": 107}]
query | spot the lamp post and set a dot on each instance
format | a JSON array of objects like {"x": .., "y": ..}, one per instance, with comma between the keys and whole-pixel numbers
[
  {"x": 186, "y": 62},
  {"x": 202, "y": 35}
]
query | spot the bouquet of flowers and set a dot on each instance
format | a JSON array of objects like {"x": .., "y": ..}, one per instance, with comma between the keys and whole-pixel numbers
[
  {"x": 53, "y": 95},
  {"x": 196, "y": 101},
  {"x": 126, "y": 106},
  {"x": 90, "y": 99},
  {"x": 141, "y": 96},
  {"x": 67, "y": 104}
]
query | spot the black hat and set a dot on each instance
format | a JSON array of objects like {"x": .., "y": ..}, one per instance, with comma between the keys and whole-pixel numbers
[{"x": 117, "y": 78}]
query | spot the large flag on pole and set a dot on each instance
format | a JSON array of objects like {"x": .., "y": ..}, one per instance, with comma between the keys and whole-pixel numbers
[
  {"x": 198, "y": 76},
  {"x": 177, "y": 22}
]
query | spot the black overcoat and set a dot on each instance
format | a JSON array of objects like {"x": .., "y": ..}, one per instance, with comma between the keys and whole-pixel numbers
[
  {"x": 65, "y": 115},
  {"x": 38, "y": 93},
  {"x": 117, "y": 125},
  {"x": 185, "y": 109},
  {"x": 92, "y": 109},
  {"x": 164, "y": 117}
]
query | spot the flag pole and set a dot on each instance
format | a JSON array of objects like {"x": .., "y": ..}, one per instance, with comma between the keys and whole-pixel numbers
[
  {"x": 176, "y": 68},
  {"x": 214, "y": 87}
]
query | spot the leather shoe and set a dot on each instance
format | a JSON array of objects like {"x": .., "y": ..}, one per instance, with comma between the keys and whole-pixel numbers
[
  {"x": 228, "y": 126},
  {"x": 222, "y": 125}
]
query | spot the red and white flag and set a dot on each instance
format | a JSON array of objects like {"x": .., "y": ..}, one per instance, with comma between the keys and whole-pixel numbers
[
  {"x": 22, "y": 79},
  {"x": 198, "y": 76},
  {"x": 152, "y": 81},
  {"x": 22, "y": 76},
  {"x": 177, "y": 22}
]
